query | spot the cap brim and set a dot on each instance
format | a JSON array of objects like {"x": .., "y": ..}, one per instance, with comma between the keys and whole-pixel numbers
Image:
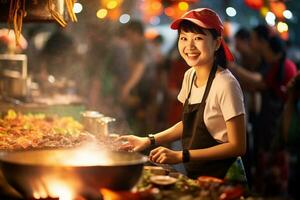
[{"x": 175, "y": 24}]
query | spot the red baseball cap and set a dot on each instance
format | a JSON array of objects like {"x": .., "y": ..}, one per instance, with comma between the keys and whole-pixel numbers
[{"x": 205, "y": 18}]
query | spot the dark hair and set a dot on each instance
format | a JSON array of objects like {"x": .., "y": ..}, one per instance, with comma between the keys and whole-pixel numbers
[
  {"x": 263, "y": 32},
  {"x": 220, "y": 57},
  {"x": 277, "y": 46},
  {"x": 242, "y": 34},
  {"x": 135, "y": 26},
  {"x": 59, "y": 43}
]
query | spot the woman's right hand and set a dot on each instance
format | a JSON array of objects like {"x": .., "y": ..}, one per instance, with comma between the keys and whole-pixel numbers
[{"x": 133, "y": 143}]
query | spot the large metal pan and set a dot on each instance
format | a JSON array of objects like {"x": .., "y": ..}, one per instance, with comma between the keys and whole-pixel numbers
[{"x": 45, "y": 173}]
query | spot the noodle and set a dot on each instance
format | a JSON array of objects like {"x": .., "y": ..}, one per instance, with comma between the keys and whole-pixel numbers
[
  {"x": 17, "y": 12},
  {"x": 15, "y": 16}
]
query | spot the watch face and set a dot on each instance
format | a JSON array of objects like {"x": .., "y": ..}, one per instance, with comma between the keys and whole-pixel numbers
[{"x": 152, "y": 139}]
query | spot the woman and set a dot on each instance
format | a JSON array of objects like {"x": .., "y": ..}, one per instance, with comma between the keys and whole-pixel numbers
[{"x": 212, "y": 129}]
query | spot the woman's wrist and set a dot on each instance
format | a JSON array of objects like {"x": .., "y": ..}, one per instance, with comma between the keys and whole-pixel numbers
[
  {"x": 152, "y": 140},
  {"x": 146, "y": 142},
  {"x": 185, "y": 155}
]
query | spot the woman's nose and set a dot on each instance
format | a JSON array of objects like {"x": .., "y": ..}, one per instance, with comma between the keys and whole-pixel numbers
[{"x": 191, "y": 44}]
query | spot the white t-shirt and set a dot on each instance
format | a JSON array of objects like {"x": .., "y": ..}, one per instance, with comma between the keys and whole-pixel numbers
[{"x": 224, "y": 101}]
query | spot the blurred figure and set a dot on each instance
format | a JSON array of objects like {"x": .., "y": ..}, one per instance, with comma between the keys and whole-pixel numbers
[
  {"x": 275, "y": 72},
  {"x": 56, "y": 59},
  {"x": 134, "y": 90},
  {"x": 247, "y": 58},
  {"x": 134, "y": 33},
  {"x": 250, "y": 60},
  {"x": 293, "y": 52},
  {"x": 291, "y": 135},
  {"x": 154, "y": 81},
  {"x": 96, "y": 58}
]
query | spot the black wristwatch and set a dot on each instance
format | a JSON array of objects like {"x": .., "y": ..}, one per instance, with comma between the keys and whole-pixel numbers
[
  {"x": 185, "y": 155},
  {"x": 152, "y": 139}
]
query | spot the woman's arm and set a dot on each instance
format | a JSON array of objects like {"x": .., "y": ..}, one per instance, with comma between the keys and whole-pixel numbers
[
  {"x": 236, "y": 145},
  {"x": 136, "y": 143},
  {"x": 249, "y": 79},
  {"x": 135, "y": 77},
  {"x": 171, "y": 134}
]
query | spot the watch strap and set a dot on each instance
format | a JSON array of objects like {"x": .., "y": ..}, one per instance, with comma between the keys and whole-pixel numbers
[
  {"x": 152, "y": 139},
  {"x": 185, "y": 155}
]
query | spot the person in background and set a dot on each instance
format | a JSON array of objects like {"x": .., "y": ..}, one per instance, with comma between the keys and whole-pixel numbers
[
  {"x": 247, "y": 58},
  {"x": 133, "y": 92},
  {"x": 96, "y": 60},
  {"x": 55, "y": 60},
  {"x": 250, "y": 60},
  {"x": 271, "y": 81},
  {"x": 212, "y": 129},
  {"x": 291, "y": 134}
]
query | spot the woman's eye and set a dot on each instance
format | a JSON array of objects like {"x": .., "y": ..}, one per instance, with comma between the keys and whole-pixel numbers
[
  {"x": 183, "y": 38},
  {"x": 198, "y": 38}
]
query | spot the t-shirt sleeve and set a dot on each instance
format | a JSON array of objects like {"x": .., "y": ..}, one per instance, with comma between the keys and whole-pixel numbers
[
  {"x": 290, "y": 71},
  {"x": 231, "y": 99}
]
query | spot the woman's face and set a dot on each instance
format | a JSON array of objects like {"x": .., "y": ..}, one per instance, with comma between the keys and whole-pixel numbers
[{"x": 197, "y": 49}]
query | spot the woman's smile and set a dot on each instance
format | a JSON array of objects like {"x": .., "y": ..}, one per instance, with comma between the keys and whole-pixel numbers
[{"x": 195, "y": 48}]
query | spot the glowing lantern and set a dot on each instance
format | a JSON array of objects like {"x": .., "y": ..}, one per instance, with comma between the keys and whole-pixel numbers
[
  {"x": 174, "y": 11},
  {"x": 227, "y": 29},
  {"x": 111, "y": 4},
  {"x": 114, "y": 14},
  {"x": 184, "y": 6},
  {"x": 284, "y": 35},
  {"x": 151, "y": 8},
  {"x": 254, "y": 4},
  {"x": 263, "y": 11},
  {"x": 277, "y": 8}
]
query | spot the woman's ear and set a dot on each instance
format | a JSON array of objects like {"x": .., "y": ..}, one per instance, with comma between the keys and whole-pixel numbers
[{"x": 218, "y": 43}]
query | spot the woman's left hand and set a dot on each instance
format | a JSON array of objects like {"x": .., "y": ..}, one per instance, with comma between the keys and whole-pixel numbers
[{"x": 165, "y": 155}]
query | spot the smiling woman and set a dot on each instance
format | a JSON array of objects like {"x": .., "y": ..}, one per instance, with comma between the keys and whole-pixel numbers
[{"x": 212, "y": 129}]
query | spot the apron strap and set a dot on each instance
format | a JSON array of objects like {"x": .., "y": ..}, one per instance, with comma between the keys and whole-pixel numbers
[
  {"x": 190, "y": 91},
  {"x": 199, "y": 118},
  {"x": 211, "y": 77}
]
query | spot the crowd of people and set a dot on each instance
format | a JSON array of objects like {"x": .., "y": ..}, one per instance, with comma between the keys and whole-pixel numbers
[{"x": 267, "y": 76}]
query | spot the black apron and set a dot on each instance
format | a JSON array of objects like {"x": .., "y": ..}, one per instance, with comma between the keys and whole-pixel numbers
[{"x": 196, "y": 136}]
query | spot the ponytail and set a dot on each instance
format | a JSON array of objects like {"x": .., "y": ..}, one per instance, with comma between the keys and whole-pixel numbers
[{"x": 220, "y": 57}]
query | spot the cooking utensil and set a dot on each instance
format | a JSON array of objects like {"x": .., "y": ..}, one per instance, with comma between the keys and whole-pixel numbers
[
  {"x": 36, "y": 172},
  {"x": 15, "y": 87},
  {"x": 102, "y": 126},
  {"x": 96, "y": 123},
  {"x": 89, "y": 121},
  {"x": 163, "y": 180},
  {"x": 14, "y": 81}
]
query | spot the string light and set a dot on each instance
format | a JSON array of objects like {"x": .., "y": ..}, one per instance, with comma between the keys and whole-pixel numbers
[{"x": 102, "y": 13}]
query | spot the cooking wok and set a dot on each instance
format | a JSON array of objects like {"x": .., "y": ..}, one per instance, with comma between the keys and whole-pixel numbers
[{"x": 43, "y": 173}]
